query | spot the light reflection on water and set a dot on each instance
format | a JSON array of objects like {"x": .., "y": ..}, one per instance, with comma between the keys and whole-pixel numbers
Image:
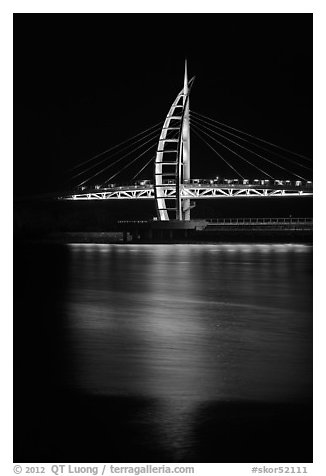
[
  {"x": 186, "y": 325},
  {"x": 170, "y": 353},
  {"x": 213, "y": 322}
]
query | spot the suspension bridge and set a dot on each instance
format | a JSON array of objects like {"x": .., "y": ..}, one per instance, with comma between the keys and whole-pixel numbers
[{"x": 278, "y": 172}]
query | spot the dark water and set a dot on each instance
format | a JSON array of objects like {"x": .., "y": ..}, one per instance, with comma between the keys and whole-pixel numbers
[{"x": 163, "y": 353}]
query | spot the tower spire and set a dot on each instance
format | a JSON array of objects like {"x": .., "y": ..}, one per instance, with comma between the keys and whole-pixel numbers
[
  {"x": 185, "y": 81},
  {"x": 186, "y": 144}
]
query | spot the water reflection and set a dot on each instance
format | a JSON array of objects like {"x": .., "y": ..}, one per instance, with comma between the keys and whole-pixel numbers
[
  {"x": 220, "y": 322},
  {"x": 187, "y": 325},
  {"x": 164, "y": 353}
]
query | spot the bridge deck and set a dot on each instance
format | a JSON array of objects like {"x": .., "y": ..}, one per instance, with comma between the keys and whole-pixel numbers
[{"x": 190, "y": 191}]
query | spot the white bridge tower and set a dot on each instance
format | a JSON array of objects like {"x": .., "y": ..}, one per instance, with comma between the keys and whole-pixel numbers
[{"x": 172, "y": 161}]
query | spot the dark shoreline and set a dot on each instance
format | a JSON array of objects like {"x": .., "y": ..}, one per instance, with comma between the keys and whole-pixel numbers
[{"x": 200, "y": 238}]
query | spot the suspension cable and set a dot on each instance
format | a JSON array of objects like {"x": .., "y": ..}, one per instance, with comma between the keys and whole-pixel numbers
[
  {"x": 173, "y": 135},
  {"x": 143, "y": 168},
  {"x": 128, "y": 165},
  {"x": 115, "y": 146},
  {"x": 118, "y": 152},
  {"x": 254, "y": 137},
  {"x": 255, "y": 153},
  {"x": 115, "y": 162},
  {"x": 251, "y": 142},
  {"x": 208, "y": 145},
  {"x": 235, "y": 153}
]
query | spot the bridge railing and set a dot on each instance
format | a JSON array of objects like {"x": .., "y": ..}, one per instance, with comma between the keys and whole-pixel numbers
[
  {"x": 236, "y": 221},
  {"x": 198, "y": 183},
  {"x": 267, "y": 221}
]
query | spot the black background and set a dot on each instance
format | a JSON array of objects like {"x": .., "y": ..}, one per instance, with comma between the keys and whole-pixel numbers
[{"x": 84, "y": 82}]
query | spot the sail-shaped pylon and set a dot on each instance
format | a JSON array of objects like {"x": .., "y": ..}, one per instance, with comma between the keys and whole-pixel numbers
[{"x": 172, "y": 161}]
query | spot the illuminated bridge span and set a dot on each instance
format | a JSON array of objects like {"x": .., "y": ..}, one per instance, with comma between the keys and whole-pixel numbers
[
  {"x": 172, "y": 187},
  {"x": 198, "y": 190}
]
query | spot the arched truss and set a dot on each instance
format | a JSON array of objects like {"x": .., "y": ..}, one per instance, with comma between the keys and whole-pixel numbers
[{"x": 173, "y": 146}]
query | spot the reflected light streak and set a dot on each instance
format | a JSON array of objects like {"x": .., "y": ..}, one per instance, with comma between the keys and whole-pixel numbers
[{"x": 189, "y": 324}]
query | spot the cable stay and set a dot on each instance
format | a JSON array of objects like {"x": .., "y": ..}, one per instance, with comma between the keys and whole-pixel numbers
[
  {"x": 143, "y": 168},
  {"x": 174, "y": 135},
  {"x": 116, "y": 161},
  {"x": 249, "y": 142},
  {"x": 118, "y": 152},
  {"x": 238, "y": 155},
  {"x": 128, "y": 165},
  {"x": 221, "y": 157},
  {"x": 254, "y": 137},
  {"x": 125, "y": 155},
  {"x": 255, "y": 153},
  {"x": 159, "y": 124}
]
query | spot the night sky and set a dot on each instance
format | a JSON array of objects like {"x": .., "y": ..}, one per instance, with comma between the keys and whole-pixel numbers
[{"x": 84, "y": 82}]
